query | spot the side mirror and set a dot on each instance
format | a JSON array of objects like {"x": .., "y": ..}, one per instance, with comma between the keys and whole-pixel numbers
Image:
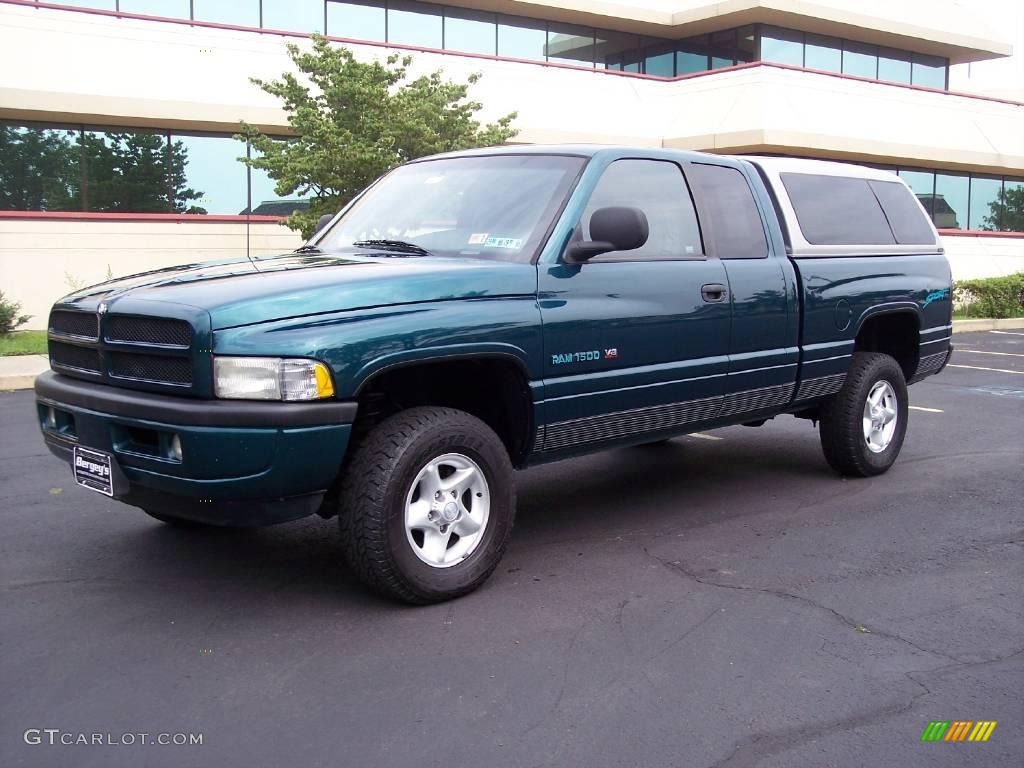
[
  {"x": 616, "y": 228},
  {"x": 323, "y": 221}
]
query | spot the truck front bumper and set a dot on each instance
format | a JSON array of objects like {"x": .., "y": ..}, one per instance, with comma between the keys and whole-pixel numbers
[{"x": 217, "y": 461}]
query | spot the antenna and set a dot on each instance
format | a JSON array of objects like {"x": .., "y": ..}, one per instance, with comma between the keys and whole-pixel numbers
[{"x": 248, "y": 207}]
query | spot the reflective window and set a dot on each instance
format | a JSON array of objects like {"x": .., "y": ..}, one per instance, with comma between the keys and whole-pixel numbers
[
  {"x": 470, "y": 31},
  {"x": 415, "y": 24},
  {"x": 618, "y": 50},
  {"x": 692, "y": 55},
  {"x": 824, "y": 53},
  {"x": 837, "y": 210},
  {"x": 240, "y": 13},
  {"x": 1011, "y": 206},
  {"x": 522, "y": 38},
  {"x": 746, "y": 45},
  {"x": 173, "y": 9},
  {"x": 658, "y": 189},
  {"x": 951, "y": 199},
  {"x": 357, "y": 20},
  {"x": 106, "y": 5},
  {"x": 893, "y": 66},
  {"x": 723, "y": 48},
  {"x": 784, "y": 46},
  {"x": 39, "y": 169},
  {"x": 985, "y": 199},
  {"x": 860, "y": 59},
  {"x": 659, "y": 57},
  {"x": 132, "y": 172},
  {"x": 265, "y": 199},
  {"x": 735, "y": 225},
  {"x": 294, "y": 15},
  {"x": 922, "y": 184},
  {"x": 569, "y": 44},
  {"x": 211, "y": 178},
  {"x": 929, "y": 71},
  {"x": 908, "y": 223}
]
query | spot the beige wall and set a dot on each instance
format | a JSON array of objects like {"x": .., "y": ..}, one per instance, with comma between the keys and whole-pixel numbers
[
  {"x": 120, "y": 71},
  {"x": 40, "y": 261}
]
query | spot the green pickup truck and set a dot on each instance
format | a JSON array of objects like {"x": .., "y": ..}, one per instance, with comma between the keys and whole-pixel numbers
[{"x": 477, "y": 312}]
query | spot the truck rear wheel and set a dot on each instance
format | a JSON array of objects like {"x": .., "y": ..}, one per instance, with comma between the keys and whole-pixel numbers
[
  {"x": 427, "y": 505},
  {"x": 863, "y": 425}
]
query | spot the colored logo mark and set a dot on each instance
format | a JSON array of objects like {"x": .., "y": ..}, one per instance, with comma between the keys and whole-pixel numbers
[{"x": 958, "y": 730}]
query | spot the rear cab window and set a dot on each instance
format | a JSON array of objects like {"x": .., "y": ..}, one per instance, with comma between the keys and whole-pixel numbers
[{"x": 733, "y": 221}]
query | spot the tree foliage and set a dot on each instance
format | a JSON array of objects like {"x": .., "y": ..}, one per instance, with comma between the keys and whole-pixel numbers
[
  {"x": 1006, "y": 212},
  {"x": 355, "y": 120}
]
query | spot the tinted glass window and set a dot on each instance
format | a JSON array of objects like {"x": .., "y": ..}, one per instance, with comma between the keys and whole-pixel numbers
[
  {"x": 824, "y": 53},
  {"x": 922, "y": 184},
  {"x": 735, "y": 222},
  {"x": 746, "y": 45},
  {"x": 134, "y": 172},
  {"x": 39, "y": 169},
  {"x": 659, "y": 190},
  {"x": 356, "y": 21},
  {"x": 470, "y": 31},
  {"x": 213, "y": 178},
  {"x": 1011, "y": 206},
  {"x": 692, "y": 55},
  {"x": 569, "y": 44},
  {"x": 618, "y": 50},
  {"x": 860, "y": 60},
  {"x": 908, "y": 222},
  {"x": 784, "y": 46},
  {"x": 521, "y": 38},
  {"x": 659, "y": 57},
  {"x": 723, "y": 48},
  {"x": 836, "y": 210},
  {"x": 893, "y": 66},
  {"x": 415, "y": 24},
  {"x": 242, "y": 13},
  {"x": 295, "y": 15},
  {"x": 929, "y": 71},
  {"x": 951, "y": 197},
  {"x": 984, "y": 213},
  {"x": 174, "y": 9}
]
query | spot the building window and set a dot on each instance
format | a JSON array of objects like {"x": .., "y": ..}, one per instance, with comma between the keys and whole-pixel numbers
[
  {"x": 570, "y": 44},
  {"x": 860, "y": 59},
  {"x": 522, "y": 38},
  {"x": 294, "y": 15},
  {"x": 415, "y": 24},
  {"x": 264, "y": 198},
  {"x": 659, "y": 57},
  {"x": 929, "y": 71},
  {"x": 39, "y": 168},
  {"x": 240, "y": 13},
  {"x": 723, "y": 48},
  {"x": 692, "y": 55},
  {"x": 894, "y": 66},
  {"x": 784, "y": 46},
  {"x": 169, "y": 9},
  {"x": 824, "y": 53},
  {"x": 618, "y": 50},
  {"x": 212, "y": 178},
  {"x": 951, "y": 201},
  {"x": 105, "y": 5},
  {"x": 985, "y": 205},
  {"x": 1010, "y": 208},
  {"x": 470, "y": 31},
  {"x": 357, "y": 20}
]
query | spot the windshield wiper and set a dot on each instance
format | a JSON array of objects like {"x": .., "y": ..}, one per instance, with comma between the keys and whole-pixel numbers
[
  {"x": 393, "y": 245},
  {"x": 308, "y": 249}
]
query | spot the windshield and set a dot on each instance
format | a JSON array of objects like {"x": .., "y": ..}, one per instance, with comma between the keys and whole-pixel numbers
[{"x": 490, "y": 206}]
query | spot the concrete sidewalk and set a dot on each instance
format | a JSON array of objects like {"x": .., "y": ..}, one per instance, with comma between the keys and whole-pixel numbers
[{"x": 20, "y": 371}]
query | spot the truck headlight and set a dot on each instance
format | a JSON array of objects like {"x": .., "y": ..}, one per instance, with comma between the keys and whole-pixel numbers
[{"x": 271, "y": 378}]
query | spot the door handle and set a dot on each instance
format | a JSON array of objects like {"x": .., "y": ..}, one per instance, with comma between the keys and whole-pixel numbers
[{"x": 713, "y": 292}]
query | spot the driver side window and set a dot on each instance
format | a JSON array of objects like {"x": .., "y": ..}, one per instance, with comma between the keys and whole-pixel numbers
[{"x": 657, "y": 188}]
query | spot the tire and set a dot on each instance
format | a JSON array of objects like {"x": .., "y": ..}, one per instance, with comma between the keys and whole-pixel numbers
[
  {"x": 851, "y": 447},
  {"x": 389, "y": 505}
]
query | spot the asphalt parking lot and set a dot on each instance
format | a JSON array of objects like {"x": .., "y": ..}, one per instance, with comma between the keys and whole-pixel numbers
[{"x": 721, "y": 600}]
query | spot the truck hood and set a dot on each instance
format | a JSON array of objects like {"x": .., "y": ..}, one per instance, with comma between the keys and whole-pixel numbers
[{"x": 237, "y": 292}]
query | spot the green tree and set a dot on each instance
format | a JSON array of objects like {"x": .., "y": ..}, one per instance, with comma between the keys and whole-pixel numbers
[
  {"x": 1006, "y": 212},
  {"x": 356, "y": 120}
]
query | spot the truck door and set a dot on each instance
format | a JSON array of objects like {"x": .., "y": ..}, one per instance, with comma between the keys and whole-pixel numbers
[
  {"x": 635, "y": 341},
  {"x": 763, "y": 343}
]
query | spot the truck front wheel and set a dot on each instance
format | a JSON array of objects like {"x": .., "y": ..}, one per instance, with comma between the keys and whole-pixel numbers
[
  {"x": 863, "y": 425},
  {"x": 427, "y": 505}
]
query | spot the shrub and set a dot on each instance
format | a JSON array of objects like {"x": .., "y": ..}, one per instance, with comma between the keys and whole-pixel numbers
[
  {"x": 9, "y": 317},
  {"x": 991, "y": 296}
]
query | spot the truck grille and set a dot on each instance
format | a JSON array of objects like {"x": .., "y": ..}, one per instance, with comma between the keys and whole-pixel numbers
[
  {"x": 154, "y": 368},
  {"x": 79, "y": 324},
  {"x": 71, "y": 356},
  {"x": 132, "y": 329}
]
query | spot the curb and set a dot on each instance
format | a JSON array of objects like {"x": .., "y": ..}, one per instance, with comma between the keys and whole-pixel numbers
[
  {"x": 969, "y": 326},
  {"x": 11, "y": 383}
]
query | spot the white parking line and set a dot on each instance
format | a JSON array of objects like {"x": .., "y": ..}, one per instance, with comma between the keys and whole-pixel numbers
[
  {"x": 1007, "y": 333},
  {"x": 926, "y": 410},
  {"x": 702, "y": 436},
  {"x": 985, "y": 352},
  {"x": 979, "y": 368}
]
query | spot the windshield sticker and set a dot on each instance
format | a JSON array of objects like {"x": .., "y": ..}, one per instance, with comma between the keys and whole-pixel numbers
[
  {"x": 504, "y": 242},
  {"x": 433, "y": 180},
  {"x": 478, "y": 239}
]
